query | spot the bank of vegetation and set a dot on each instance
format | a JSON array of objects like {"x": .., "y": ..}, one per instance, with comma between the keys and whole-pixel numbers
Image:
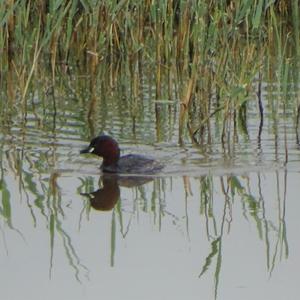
[{"x": 210, "y": 56}]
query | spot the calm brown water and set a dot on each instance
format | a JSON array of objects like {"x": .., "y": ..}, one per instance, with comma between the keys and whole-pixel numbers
[{"x": 221, "y": 222}]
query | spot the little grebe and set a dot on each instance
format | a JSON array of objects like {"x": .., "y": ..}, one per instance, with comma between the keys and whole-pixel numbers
[{"x": 108, "y": 148}]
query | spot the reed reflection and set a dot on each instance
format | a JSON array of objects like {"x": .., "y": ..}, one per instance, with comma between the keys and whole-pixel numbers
[
  {"x": 220, "y": 197},
  {"x": 255, "y": 200},
  {"x": 210, "y": 204}
]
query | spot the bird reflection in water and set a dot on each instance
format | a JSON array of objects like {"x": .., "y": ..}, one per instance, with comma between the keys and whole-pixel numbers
[{"x": 105, "y": 198}]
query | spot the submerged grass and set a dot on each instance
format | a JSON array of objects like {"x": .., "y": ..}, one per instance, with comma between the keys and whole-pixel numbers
[{"x": 205, "y": 55}]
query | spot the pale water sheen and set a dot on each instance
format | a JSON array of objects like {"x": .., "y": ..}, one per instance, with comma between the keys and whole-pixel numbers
[
  {"x": 223, "y": 236},
  {"x": 220, "y": 222}
]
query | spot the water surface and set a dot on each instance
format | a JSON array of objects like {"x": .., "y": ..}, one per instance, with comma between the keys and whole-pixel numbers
[{"x": 220, "y": 222}]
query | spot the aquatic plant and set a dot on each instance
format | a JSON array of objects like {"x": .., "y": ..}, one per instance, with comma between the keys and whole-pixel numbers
[{"x": 205, "y": 56}]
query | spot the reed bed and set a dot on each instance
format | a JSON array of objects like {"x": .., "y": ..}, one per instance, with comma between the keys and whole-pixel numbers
[{"x": 209, "y": 56}]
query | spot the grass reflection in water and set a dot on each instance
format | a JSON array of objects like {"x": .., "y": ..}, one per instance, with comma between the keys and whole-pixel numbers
[{"x": 212, "y": 88}]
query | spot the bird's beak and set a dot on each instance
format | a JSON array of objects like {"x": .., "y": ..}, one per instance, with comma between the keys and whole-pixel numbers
[{"x": 87, "y": 150}]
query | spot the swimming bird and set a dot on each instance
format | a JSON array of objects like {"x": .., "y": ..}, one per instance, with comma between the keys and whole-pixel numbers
[{"x": 107, "y": 148}]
